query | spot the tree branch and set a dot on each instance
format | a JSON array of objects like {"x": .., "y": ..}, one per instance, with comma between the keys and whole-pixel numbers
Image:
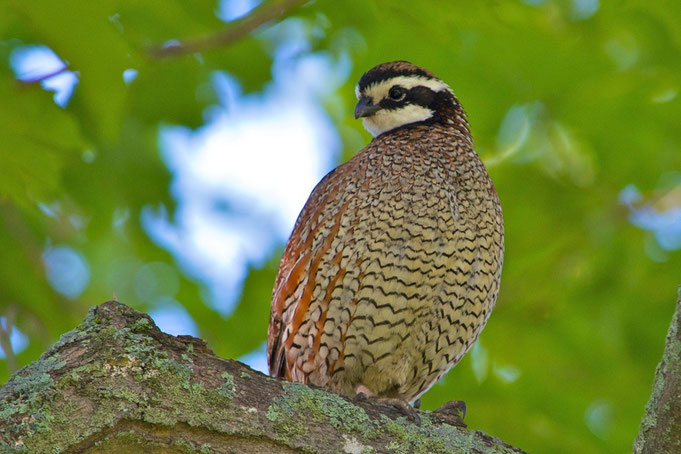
[
  {"x": 116, "y": 383},
  {"x": 233, "y": 32},
  {"x": 660, "y": 429}
]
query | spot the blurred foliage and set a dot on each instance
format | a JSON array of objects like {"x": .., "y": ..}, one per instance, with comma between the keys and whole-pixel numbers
[{"x": 569, "y": 101}]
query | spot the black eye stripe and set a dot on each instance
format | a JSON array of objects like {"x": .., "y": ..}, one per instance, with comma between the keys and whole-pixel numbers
[{"x": 391, "y": 104}]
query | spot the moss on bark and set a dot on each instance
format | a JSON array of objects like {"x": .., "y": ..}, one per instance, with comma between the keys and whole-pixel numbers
[
  {"x": 660, "y": 430},
  {"x": 118, "y": 384}
]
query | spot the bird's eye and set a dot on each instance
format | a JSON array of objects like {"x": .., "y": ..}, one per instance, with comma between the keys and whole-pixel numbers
[{"x": 397, "y": 93}]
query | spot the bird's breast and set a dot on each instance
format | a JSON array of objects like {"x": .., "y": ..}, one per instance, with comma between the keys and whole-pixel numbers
[{"x": 403, "y": 255}]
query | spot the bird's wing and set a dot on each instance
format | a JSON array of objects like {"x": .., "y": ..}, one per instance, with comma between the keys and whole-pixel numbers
[{"x": 288, "y": 310}]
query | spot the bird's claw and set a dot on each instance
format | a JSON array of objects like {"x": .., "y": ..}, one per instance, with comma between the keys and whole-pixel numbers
[
  {"x": 403, "y": 407},
  {"x": 452, "y": 413},
  {"x": 398, "y": 404},
  {"x": 360, "y": 397}
]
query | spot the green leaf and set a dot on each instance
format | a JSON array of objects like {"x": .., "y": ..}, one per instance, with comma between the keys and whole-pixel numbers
[{"x": 38, "y": 139}]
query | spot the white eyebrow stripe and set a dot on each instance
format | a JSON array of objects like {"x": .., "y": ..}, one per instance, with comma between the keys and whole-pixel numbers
[{"x": 409, "y": 82}]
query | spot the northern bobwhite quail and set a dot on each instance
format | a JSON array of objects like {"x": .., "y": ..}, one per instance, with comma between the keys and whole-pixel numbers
[{"x": 393, "y": 266}]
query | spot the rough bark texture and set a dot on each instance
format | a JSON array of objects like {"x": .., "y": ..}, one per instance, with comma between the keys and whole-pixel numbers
[
  {"x": 118, "y": 384},
  {"x": 660, "y": 430}
]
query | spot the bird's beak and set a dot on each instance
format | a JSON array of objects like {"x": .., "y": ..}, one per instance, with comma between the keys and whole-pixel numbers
[{"x": 365, "y": 107}]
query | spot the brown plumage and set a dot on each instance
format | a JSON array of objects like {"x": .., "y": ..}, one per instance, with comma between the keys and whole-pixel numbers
[{"x": 393, "y": 266}]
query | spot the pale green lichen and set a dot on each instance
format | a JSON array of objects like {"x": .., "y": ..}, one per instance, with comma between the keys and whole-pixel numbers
[
  {"x": 206, "y": 448},
  {"x": 668, "y": 369},
  {"x": 183, "y": 445},
  {"x": 395, "y": 447},
  {"x": 142, "y": 324},
  {"x": 285, "y": 427},
  {"x": 300, "y": 406},
  {"x": 227, "y": 389},
  {"x": 69, "y": 337},
  {"x": 321, "y": 405},
  {"x": 31, "y": 389},
  {"x": 409, "y": 437},
  {"x": 165, "y": 392}
]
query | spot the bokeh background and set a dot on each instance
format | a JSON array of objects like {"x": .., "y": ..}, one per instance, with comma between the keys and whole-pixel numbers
[{"x": 172, "y": 182}]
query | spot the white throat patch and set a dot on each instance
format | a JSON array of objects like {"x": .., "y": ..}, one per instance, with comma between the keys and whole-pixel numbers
[{"x": 385, "y": 120}]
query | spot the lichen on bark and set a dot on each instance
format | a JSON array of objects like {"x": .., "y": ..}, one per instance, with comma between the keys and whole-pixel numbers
[
  {"x": 116, "y": 383},
  {"x": 660, "y": 430}
]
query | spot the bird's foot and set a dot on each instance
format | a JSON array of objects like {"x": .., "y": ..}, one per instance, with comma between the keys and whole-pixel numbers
[
  {"x": 452, "y": 413},
  {"x": 402, "y": 406},
  {"x": 360, "y": 397},
  {"x": 363, "y": 394}
]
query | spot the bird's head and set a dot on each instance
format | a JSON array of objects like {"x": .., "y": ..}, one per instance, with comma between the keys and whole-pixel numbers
[{"x": 399, "y": 93}]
